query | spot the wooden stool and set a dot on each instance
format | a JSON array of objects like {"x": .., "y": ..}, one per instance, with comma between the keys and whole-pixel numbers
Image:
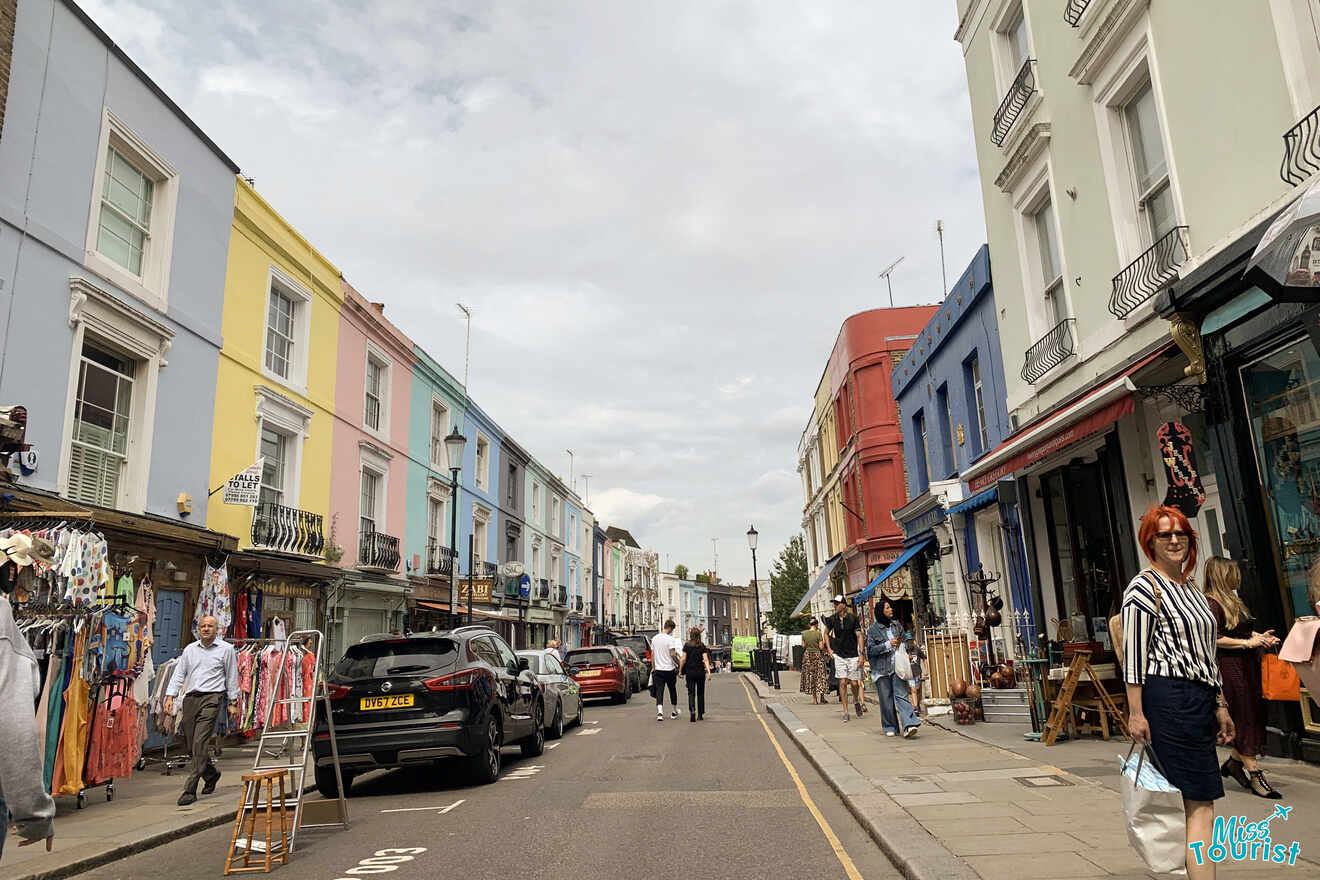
[{"x": 251, "y": 802}]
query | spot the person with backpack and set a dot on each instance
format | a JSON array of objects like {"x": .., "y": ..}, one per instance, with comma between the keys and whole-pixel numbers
[{"x": 1167, "y": 643}]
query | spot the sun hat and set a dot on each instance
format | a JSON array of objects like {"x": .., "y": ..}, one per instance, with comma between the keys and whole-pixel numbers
[{"x": 18, "y": 547}]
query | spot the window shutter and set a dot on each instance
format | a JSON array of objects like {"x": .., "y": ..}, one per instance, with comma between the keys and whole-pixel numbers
[{"x": 93, "y": 476}]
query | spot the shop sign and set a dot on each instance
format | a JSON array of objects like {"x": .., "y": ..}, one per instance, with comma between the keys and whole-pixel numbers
[
  {"x": 925, "y": 521},
  {"x": 1096, "y": 422},
  {"x": 244, "y": 487},
  {"x": 479, "y": 588},
  {"x": 290, "y": 590},
  {"x": 898, "y": 585}
]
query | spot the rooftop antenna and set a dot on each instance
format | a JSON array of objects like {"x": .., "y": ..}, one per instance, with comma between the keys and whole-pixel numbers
[
  {"x": 715, "y": 543},
  {"x": 885, "y": 275},
  {"x": 572, "y": 484},
  {"x": 467, "y": 349},
  {"x": 586, "y": 482},
  {"x": 944, "y": 280}
]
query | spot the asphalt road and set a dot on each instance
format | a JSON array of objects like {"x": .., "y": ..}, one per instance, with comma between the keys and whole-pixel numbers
[{"x": 621, "y": 796}]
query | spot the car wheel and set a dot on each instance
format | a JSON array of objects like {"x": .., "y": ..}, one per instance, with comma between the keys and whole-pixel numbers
[
  {"x": 534, "y": 745},
  {"x": 620, "y": 697},
  {"x": 557, "y": 723},
  {"x": 326, "y": 784},
  {"x": 578, "y": 721},
  {"x": 486, "y": 763}
]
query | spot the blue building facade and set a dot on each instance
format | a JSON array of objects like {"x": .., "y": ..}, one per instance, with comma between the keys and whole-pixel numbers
[
  {"x": 479, "y": 490},
  {"x": 951, "y": 397}
]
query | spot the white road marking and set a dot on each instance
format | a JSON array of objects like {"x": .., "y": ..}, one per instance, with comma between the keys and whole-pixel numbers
[
  {"x": 425, "y": 809},
  {"x": 552, "y": 745},
  {"x": 590, "y": 732},
  {"x": 591, "y": 722},
  {"x": 523, "y": 772},
  {"x": 451, "y": 806}
]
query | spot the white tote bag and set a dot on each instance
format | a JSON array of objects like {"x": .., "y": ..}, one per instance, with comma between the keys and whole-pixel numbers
[
  {"x": 1156, "y": 822},
  {"x": 902, "y": 665}
]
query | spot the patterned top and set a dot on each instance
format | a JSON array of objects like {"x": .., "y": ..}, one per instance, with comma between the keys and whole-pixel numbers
[{"x": 1180, "y": 643}]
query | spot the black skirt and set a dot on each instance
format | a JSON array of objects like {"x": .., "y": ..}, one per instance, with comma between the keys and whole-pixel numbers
[{"x": 1183, "y": 731}]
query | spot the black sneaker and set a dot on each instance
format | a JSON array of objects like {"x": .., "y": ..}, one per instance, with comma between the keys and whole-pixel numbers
[{"x": 187, "y": 798}]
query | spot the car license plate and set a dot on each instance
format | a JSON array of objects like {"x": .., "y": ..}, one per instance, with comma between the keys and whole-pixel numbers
[
  {"x": 394, "y": 701},
  {"x": 589, "y": 673}
]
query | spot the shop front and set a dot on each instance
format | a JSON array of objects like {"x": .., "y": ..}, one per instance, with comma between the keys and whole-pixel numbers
[
  {"x": 360, "y": 606},
  {"x": 268, "y": 587}
]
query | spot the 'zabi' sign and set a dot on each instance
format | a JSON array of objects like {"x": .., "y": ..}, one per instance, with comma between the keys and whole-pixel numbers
[{"x": 245, "y": 487}]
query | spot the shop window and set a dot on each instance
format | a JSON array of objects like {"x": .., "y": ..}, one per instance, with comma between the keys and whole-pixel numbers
[{"x": 102, "y": 413}]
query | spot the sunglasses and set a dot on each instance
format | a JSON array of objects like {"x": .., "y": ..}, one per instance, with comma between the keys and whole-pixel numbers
[{"x": 1176, "y": 533}]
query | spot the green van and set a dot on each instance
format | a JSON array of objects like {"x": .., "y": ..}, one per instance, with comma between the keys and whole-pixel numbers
[{"x": 742, "y": 652}]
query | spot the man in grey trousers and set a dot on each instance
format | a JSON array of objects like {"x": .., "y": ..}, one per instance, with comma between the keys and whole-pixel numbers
[{"x": 209, "y": 671}]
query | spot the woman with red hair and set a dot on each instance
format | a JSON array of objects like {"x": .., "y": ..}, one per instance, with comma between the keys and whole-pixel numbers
[{"x": 1169, "y": 666}]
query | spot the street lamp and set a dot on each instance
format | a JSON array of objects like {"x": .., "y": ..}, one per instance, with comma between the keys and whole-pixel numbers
[
  {"x": 756, "y": 589},
  {"x": 454, "y": 444}
]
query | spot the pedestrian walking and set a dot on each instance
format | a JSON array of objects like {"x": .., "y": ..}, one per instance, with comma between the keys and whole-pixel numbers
[
  {"x": 24, "y": 801},
  {"x": 696, "y": 672},
  {"x": 846, "y": 642},
  {"x": 1173, "y": 681},
  {"x": 1238, "y": 654},
  {"x": 664, "y": 656},
  {"x": 208, "y": 669},
  {"x": 884, "y": 637},
  {"x": 814, "y": 678},
  {"x": 916, "y": 654}
]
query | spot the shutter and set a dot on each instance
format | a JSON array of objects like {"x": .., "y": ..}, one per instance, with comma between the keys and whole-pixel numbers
[{"x": 93, "y": 476}]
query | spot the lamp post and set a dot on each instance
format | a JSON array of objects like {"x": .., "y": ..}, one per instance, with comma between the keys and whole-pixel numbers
[
  {"x": 454, "y": 444},
  {"x": 756, "y": 589}
]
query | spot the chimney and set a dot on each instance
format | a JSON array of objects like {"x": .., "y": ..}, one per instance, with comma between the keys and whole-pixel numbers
[{"x": 379, "y": 307}]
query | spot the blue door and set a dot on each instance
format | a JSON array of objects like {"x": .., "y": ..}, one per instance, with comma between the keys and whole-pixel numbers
[{"x": 169, "y": 641}]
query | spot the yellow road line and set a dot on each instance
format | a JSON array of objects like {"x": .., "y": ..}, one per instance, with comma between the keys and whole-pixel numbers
[{"x": 848, "y": 867}]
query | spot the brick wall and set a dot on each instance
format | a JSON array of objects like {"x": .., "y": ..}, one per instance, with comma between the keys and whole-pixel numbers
[{"x": 8, "y": 15}]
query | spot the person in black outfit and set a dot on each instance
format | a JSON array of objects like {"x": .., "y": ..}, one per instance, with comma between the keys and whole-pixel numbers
[
  {"x": 696, "y": 670},
  {"x": 846, "y": 643}
]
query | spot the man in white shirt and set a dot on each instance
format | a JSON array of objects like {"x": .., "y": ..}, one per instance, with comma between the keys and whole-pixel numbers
[
  {"x": 665, "y": 653},
  {"x": 209, "y": 667}
]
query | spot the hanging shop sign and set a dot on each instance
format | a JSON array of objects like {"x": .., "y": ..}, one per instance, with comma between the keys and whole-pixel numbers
[
  {"x": 479, "y": 588},
  {"x": 244, "y": 487}
]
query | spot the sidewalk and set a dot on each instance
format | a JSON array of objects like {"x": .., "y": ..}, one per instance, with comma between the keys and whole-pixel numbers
[
  {"x": 979, "y": 801},
  {"x": 143, "y": 814}
]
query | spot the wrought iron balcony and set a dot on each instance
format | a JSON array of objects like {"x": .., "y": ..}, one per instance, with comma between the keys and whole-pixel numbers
[
  {"x": 590, "y": 609},
  {"x": 1073, "y": 12},
  {"x": 439, "y": 558},
  {"x": 287, "y": 530},
  {"x": 378, "y": 550},
  {"x": 1301, "y": 149},
  {"x": 1015, "y": 101},
  {"x": 1049, "y": 351},
  {"x": 1149, "y": 273},
  {"x": 561, "y": 595},
  {"x": 487, "y": 569},
  {"x": 577, "y": 603},
  {"x": 541, "y": 589}
]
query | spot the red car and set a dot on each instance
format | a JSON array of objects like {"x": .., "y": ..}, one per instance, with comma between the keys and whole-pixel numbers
[{"x": 600, "y": 672}]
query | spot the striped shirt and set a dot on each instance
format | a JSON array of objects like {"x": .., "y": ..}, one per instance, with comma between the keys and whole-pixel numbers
[{"x": 1180, "y": 643}]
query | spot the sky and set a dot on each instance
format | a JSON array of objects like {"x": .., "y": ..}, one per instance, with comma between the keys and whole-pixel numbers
[{"x": 659, "y": 214}]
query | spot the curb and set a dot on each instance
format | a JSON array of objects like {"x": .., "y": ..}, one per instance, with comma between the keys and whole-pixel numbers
[
  {"x": 913, "y": 850},
  {"x": 134, "y": 847}
]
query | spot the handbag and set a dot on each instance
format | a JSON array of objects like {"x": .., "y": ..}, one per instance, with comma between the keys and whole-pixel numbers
[
  {"x": 1278, "y": 679},
  {"x": 1116, "y": 624},
  {"x": 1156, "y": 821},
  {"x": 902, "y": 665}
]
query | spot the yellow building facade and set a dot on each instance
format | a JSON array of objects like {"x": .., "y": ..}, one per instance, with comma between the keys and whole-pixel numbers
[{"x": 275, "y": 397}]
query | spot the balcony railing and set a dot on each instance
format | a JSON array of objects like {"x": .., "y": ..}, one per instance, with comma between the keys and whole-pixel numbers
[
  {"x": 1073, "y": 12},
  {"x": 1301, "y": 149},
  {"x": 487, "y": 569},
  {"x": 542, "y": 589},
  {"x": 287, "y": 530},
  {"x": 1149, "y": 273},
  {"x": 378, "y": 550},
  {"x": 1049, "y": 351},
  {"x": 577, "y": 603},
  {"x": 561, "y": 595},
  {"x": 1023, "y": 87},
  {"x": 439, "y": 558}
]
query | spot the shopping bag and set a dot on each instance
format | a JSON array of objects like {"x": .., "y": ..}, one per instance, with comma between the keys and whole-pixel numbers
[
  {"x": 1301, "y": 649},
  {"x": 1156, "y": 823},
  {"x": 1278, "y": 679},
  {"x": 902, "y": 665}
]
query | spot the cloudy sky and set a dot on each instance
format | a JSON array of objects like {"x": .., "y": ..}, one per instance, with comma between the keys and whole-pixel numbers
[{"x": 659, "y": 213}]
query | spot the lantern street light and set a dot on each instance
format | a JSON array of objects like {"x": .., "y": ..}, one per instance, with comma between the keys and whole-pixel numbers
[
  {"x": 756, "y": 587},
  {"x": 454, "y": 444}
]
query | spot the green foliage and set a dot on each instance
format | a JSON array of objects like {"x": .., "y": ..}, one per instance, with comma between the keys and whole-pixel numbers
[
  {"x": 681, "y": 571},
  {"x": 703, "y": 578},
  {"x": 788, "y": 584}
]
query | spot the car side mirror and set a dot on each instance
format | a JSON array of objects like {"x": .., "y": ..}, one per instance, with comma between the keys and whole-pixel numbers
[{"x": 523, "y": 664}]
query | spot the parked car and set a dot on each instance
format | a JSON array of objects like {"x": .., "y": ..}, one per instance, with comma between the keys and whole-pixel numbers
[
  {"x": 641, "y": 645},
  {"x": 561, "y": 696},
  {"x": 641, "y": 673},
  {"x": 407, "y": 700},
  {"x": 601, "y": 671}
]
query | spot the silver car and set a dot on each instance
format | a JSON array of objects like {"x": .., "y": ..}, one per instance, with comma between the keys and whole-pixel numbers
[{"x": 561, "y": 698}]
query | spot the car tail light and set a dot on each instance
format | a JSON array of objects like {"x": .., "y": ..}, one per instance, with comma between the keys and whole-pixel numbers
[
  {"x": 337, "y": 691},
  {"x": 458, "y": 681},
  {"x": 648, "y": 656}
]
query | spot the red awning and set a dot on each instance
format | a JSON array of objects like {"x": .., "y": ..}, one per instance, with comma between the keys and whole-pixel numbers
[
  {"x": 1079, "y": 430},
  {"x": 444, "y": 606}
]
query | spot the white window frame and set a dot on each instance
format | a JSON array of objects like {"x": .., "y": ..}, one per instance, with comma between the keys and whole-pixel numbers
[
  {"x": 386, "y": 365},
  {"x": 1029, "y": 199},
  {"x": 439, "y": 430},
  {"x": 377, "y": 461},
  {"x": 480, "y": 531},
  {"x": 377, "y": 504},
  {"x": 278, "y": 280},
  {"x": 480, "y": 467},
  {"x": 1006, "y": 64},
  {"x": 138, "y": 336},
  {"x": 978, "y": 395},
  {"x": 536, "y": 501},
  {"x": 114, "y": 460},
  {"x": 572, "y": 530},
  {"x": 555, "y": 508},
  {"x": 294, "y": 421},
  {"x": 441, "y": 493},
  {"x": 553, "y": 576},
  {"x": 152, "y": 286},
  {"x": 1293, "y": 21},
  {"x": 922, "y": 429}
]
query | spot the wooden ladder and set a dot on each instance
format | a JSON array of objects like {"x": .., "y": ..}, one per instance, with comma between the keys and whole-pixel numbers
[{"x": 1081, "y": 663}]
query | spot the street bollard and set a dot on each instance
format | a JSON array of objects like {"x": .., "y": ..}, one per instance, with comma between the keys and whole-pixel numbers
[{"x": 775, "y": 668}]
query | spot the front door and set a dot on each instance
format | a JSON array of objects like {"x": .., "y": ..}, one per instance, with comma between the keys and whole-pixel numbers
[
  {"x": 1086, "y": 577},
  {"x": 168, "y": 643}
]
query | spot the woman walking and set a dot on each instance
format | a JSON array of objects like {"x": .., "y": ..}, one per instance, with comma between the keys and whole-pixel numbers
[
  {"x": 1172, "y": 679},
  {"x": 1239, "y": 667},
  {"x": 883, "y": 638},
  {"x": 696, "y": 671},
  {"x": 814, "y": 679}
]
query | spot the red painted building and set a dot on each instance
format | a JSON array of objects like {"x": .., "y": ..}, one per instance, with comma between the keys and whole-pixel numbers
[{"x": 869, "y": 437}]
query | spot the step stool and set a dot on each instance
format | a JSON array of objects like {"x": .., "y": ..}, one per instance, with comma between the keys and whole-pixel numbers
[{"x": 249, "y": 806}]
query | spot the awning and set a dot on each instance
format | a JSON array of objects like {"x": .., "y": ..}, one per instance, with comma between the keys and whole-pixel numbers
[
  {"x": 821, "y": 580},
  {"x": 977, "y": 501},
  {"x": 904, "y": 558},
  {"x": 444, "y": 606}
]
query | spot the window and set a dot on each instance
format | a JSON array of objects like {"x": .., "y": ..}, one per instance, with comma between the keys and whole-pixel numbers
[
  {"x": 480, "y": 531},
  {"x": 978, "y": 395},
  {"x": 554, "y": 516},
  {"x": 923, "y": 452},
  {"x": 125, "y": 218},
  {"x": 1149, "y": 165},
  {"x": 482, "y": 475},
  {"x": 572, "y": 531},
  {"x": 536, "y": 502},
  {"x": 1051, "y": 265},
  {"x": 439, "y": 429},
  {"x": 102, "y": 411},
  {"x": 512, "y": 499},
  {"x": 275, "y": 457},
  {"x": 950, "y": 437},
  {"x": 367, "y": 504},
  {"x": 436, "y": 525},
  {"x": 1019, "y": 46},
  {"x": 375, "y": 386},
  {"x": 279, "y": 334},
  {"x": 536, "y": 560}
]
